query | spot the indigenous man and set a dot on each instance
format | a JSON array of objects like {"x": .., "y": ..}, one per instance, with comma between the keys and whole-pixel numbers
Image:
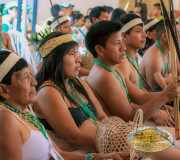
[
  {"x": 98, "y": 14},
  {"x": 156, "y": 11},
  {"x": 5, "y": 41},
  {"x": 134, "y": 38},
  {"x": 156, "y": 64},
  {"x": 117, "y": 95}
]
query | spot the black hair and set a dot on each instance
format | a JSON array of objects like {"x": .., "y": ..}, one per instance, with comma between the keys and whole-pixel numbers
[
  {"x": 99, "y": 34},
  {"x": 76, "y": 15},
  {"x": 143, "y": 11},
  {"x": 131, "y": 12},
  {"x": 96, "y": 12},
  {"x": 108, "y": 8},
  {"x": 127, "y": 18},
  {"x": 160, "y": 29},
  {"x": 55, "y": 10},
  {"x": 21, "y": 64},
  {"x": 157, "y": 5},
  {"x": 85, "y": 18},
  {"x": 52, "y": 68},
  {"x": 117, "y": 14}
]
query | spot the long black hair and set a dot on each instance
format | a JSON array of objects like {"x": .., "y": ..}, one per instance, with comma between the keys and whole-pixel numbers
[
  {"x": 52, "y": 68},
  {"x": 143, "y": 11}
]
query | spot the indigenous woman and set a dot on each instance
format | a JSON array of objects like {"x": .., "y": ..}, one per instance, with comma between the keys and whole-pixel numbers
[
  {"x": 66, "y": 105},
  {"x": 22, "y": 137}
]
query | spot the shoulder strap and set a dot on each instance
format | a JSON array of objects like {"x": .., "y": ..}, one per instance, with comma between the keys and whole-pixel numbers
[{"x": 53, "y": 87}]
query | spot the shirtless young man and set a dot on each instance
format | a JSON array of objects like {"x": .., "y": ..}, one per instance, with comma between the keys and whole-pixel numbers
[
  {"x": 156, "y": 63},
  {"x": 133, "y": 38},
  {"x": 117, "y": 95},
  {"x": 5, "y": 42}
]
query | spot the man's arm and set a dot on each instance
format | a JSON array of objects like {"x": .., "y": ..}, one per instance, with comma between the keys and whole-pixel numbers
[
  {"x": 153, "y": 65},
  {"x": 115, "y": 98}
]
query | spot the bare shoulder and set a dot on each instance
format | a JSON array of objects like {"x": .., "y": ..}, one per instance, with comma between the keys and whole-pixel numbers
[
  {"x": 7, "y": 119},
  {"x": 151, "y": 56}
]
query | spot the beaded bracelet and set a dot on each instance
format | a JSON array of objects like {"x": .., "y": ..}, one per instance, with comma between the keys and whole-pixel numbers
[{"x": 90, "y": 156}]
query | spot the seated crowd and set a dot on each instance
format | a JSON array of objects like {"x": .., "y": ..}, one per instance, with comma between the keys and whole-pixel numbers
[{"x": 55, "y": 115}]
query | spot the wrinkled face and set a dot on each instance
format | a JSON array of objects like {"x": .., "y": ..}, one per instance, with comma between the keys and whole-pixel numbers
[
  {"x": 80, "y": 22},
  {"x": 103, "y": 16},
  {"x": 22, "y": 89},
  {"x": 13, "y": 13},
  {"x": 71, "y": 62},
  {"x": 66, "y": 28},
  {"x": 114, "y": 50},
  {"x": 0, "y": 23},
  {"x": 156, "y": 11},
  {"x": 88, "y": 23},
  {"x": 137, "y": 38}
]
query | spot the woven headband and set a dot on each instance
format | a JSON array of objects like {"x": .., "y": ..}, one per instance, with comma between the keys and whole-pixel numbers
[
  {"x": 61, "y": 20},
  {"x": 151, "y": 23},
  {"x": 51, "y": 44},
  {"x": 130, "y": 24},
  {"x": 8, "y": 63}
]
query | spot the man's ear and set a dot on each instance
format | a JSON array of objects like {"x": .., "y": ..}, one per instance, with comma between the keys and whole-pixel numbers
[
  {"x": 124, "y": 36},
  {"x": 4, "y": 91},
  {"x": 95, "y": 20},
  {"x": 164, "y": 37},
  {"x": 149, "y": 35},
  {"x": 100, "y": 50}
]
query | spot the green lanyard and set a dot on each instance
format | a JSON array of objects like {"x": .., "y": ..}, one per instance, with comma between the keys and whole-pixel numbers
[
  {"x": 121, "y": 81},
  {"x": 0, "y": 40},
  {"x": 165, "y": 65},
  {"x": 139, "y": 78},
  {"x": 29, "y": 117},
  {"x": 80, "y": 31},
  {"x": 84, "y": 105}
]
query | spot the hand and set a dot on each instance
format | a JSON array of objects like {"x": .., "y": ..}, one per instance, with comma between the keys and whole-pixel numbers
[
  {"x": 114, "y": 156},
  {"x": 170, "y": 109},
  {"x": 162, "y": 119},
  {"x": 172, "y": 90}
]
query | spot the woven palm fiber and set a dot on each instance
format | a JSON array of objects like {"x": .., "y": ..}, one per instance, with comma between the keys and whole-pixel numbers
[
  {"x": 112, "y": 135},
  {"x": 87, "y": 61}
]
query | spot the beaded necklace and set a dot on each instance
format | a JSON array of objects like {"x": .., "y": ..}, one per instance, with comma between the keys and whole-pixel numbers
[
  {"x": 26, "y": 116},
  {"x": 165, "y": 65},
  {"x": 139, "y": 78},
  {"x": 84, "y": 105},
  {"x": 120, "y": 80}
]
